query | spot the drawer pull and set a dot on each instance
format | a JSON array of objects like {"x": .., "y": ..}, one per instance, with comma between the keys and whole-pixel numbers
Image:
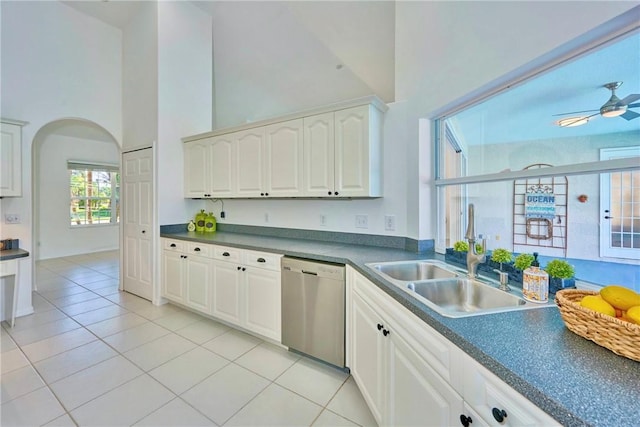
[
  {"x": 499, "y": 414},
  {"x": 226, "y": 254},
  {"x": 173, "y": 245},
  {"x": 261, "y": 260},
  {"x": 197, "y": 249},
  {"x": 465, "y": 421}
]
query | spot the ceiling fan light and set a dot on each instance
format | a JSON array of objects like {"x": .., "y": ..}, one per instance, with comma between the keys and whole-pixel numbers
[
  {"x": 570, "y": 122},
  {"x": 613, "y": 110}
]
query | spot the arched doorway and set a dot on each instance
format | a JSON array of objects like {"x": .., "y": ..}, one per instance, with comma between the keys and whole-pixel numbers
[{"x": 56, "y": 146}]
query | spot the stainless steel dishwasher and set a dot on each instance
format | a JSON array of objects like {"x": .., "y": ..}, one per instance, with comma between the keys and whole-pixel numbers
[{"x": 313, "y": 309}]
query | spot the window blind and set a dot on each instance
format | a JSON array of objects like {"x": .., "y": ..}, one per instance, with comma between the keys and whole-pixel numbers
[{"x": 80, "y": 165}]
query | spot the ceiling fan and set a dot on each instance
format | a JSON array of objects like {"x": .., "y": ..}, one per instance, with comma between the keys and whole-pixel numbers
[{"x": 614, "y": 107}]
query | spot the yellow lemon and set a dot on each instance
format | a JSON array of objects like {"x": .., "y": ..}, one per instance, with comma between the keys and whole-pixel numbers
[
  {"x": 634, "y": 314},
  {"x": 595, "y": 303},
  {"x": 620, "y": 297}
]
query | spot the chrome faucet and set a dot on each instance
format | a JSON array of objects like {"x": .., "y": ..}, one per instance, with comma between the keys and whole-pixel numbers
[{"x": 473, "y": 257}]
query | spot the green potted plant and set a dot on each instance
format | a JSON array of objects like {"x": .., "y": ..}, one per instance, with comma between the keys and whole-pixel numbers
[
  {"x": 523, "y": 261},
  {"x": 501, "y": 256},
  {"x": 560, "y": 275},
  {"x": 458, "y": 254},
  {"x": 461, "y": 246}
]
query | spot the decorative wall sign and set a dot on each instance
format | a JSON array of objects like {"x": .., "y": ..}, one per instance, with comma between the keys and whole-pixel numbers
[{"x": 540, "y": 212}]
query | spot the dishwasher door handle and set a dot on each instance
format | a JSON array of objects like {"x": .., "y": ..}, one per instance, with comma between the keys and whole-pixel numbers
[{"x": 309, "y": 272}]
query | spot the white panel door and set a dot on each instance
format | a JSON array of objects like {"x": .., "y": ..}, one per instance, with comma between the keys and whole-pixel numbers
[
  {"x": 620, "y": 208},
  {"x": 138, "y": 220}
]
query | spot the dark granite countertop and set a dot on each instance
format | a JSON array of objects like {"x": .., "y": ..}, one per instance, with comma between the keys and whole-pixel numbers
[
  {"x": 574, "y": 380},
  {"x": 13, "y": 254}
]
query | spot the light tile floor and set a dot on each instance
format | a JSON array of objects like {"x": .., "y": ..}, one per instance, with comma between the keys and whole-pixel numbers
[{"x": 92, "y": 355}]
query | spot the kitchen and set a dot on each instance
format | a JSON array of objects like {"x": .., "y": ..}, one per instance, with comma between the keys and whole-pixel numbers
[{"x": 177, "y": 110}]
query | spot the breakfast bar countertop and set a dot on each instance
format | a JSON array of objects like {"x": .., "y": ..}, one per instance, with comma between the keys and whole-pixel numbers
[{"x": 574, "y": 380}]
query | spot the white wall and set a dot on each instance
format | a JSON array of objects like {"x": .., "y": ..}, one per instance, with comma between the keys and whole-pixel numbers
[
  {"x": 443, "y": 51},
  {"x": 56, "y": 63},
  {"x": 56, "y": 237},
  {"x": 140, "y": 78},
  {"x": 185, "y": 98}
]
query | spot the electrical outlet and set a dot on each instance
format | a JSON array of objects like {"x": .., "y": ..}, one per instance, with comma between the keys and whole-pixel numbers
[
  {"x": 390, "y": 222},
  {"x": 12, "y": 218},
  {"x": 362, "y": 221},
  {"x": 323, "y": 220}
]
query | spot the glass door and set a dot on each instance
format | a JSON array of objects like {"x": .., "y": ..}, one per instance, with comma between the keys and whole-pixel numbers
[{"x": 620, "y": 208}]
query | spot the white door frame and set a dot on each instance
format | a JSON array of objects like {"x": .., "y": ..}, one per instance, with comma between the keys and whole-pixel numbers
[{"x": 606, "y": 250}]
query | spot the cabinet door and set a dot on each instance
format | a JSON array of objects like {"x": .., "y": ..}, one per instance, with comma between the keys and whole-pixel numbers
[
  {"x": 319, "y": 155},
  {"x": 417, "y": 395},
  {"x": 198, "y": 279},
  {"x": 197, "y": 168},
  {"x": 227, "y": 292},
  {"x": 367, "y": 355},
  {"x": 283, "y": 159},
  {"x": 223, "y": 160},
  {"x": 11, "y": 160},
  {"x": 249, "y": 163},
  {"x": 352, "y": 151},
  {"x": 173, "y": 275},
  {"x": 263, "y": 303}
]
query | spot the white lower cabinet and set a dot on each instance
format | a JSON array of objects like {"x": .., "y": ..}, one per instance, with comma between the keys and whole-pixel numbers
[
  {"x": 246, "y": 292},
  {"x": 496, "y": 403},
  {"x": 226, "y": 291},
  {"x": 397, "y": 383},
  {"x": 411, "y": 375},
  {"x": 186, "y": 278},
  {"x": 240, "y": 287}
]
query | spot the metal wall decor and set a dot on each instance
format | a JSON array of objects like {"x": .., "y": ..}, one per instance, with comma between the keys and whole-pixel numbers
[{"x": 540, "y": 211}]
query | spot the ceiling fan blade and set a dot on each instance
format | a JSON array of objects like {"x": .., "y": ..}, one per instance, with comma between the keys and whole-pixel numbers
[
  {"x": 628, "y": 99},
  {"x": 636, "y": 105},
  {"x": 630, "y": 115},
  {"x": 574, "y": 112}
]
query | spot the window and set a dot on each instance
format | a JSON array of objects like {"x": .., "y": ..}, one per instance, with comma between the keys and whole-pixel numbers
[
  {"x": 95, "y": 194},
  {"x": 484, "y": 149}
]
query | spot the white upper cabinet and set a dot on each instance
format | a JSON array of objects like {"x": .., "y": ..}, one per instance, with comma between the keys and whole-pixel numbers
[
  {"x": 283, "y": 159},
  {"x": 223, "y": 155},
  {"x": 11, "y": 158},
  {"x": 357, "y": 152},
  {"x": 249, "y": 164},
  {"x": 334, "y": 153},
  {"x": 319, "y": 149},
  {"x": 197, "y": 162}
]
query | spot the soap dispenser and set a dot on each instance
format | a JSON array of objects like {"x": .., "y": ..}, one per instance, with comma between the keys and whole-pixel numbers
[{"x": 535, "y": 282}]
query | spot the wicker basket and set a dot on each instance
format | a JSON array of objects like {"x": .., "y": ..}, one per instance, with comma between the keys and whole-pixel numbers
[{"x": 621, "y": 337}]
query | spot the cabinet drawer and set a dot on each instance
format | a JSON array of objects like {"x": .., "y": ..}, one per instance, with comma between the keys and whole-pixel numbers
[
  {"x": 485, "y": 393},
  {"x": 264, "y": 260},
  {"x": 227, "y": 254},
  {"x": 201, "y": 249},
  {"x": 174, "y": 245}
]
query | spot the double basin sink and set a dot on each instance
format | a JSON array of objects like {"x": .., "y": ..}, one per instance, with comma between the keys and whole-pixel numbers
[{"x": 449, "y": 291}]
